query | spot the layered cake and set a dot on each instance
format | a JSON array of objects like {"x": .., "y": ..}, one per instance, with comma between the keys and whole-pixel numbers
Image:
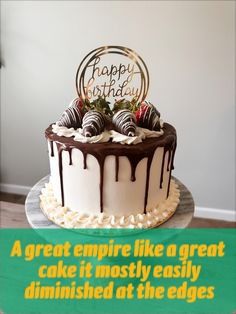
[
  {"x": 110, "y": 170},
  {"x": 110, "y": 161}
]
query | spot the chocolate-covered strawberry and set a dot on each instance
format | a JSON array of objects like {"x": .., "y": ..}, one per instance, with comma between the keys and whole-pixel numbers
[
  {"x": 72, "y": 116},
  {"x": 93, "y": 123},
  {"x": 78, "y": 103},
  {"x": 125, "y": 122},
  {"x": 148, "y": 116}
]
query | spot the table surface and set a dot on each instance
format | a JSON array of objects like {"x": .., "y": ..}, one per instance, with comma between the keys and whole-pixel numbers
[{"x": 181, "y": 218}]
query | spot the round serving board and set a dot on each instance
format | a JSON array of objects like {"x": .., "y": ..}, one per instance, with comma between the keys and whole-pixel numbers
[{"x": 181, "y": 218}]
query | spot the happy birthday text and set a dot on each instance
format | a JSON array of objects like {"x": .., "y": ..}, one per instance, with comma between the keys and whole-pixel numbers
[{"x": 117, "y": 80}]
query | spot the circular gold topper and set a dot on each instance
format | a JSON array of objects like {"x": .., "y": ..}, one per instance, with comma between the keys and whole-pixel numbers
[{"x": 113, "y": 72}]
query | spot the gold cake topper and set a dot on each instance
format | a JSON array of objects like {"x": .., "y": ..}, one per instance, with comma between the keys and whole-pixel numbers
[{"x": 100, "y": 74}]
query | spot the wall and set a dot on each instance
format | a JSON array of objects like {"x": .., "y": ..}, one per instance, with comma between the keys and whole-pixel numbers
[{"x": 189, "y": 50}]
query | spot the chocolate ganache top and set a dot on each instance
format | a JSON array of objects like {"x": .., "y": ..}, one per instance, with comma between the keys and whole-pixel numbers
[{"x": 111, "y": 148}]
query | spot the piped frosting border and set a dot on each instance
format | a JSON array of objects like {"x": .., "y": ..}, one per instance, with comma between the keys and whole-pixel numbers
[
  {"x": 66, "y": 218},
  {"x": 105, "y": 136}
]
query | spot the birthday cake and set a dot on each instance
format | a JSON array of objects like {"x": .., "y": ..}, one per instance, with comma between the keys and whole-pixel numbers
[{"x": 110, "y": 164}]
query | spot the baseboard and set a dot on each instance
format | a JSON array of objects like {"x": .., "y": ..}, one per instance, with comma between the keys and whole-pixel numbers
[
  {"x": 200, "y": 212},
  {"x": 215, "y": 213},
  {"x": 14, "y": 188}
]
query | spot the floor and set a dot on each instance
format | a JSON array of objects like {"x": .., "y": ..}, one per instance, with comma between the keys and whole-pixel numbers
[{"x": 12, "y": 215}]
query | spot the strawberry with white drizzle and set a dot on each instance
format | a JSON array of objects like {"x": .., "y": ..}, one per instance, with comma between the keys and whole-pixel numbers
[
  {"x": 93, "y": 123},
  {"x": 148, "y": 116},
  {"x": 125, "y": 122},
  {"x": 77, "y": 103},
  {"x": 73, "y": 115}
]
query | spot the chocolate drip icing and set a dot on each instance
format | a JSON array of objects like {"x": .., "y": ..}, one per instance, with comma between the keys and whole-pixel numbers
[
  {"x": 162, "y": 169},
  {"x": 171, "y": 150},
  {"x": 85, "y": 160},
  {"x": 172, "y": 166},
  {"x": 134, "y": 153},
  {"x": 70, "y": 157},
  {"x": 134, "y": 160},
  {"x": 101, "y": 183},
  {"x": 149, "y": 162},
  {"x": 162, "y": 166},
  {"x": 51, "y": 149},
  {"x": 60, "y": 150},
  {"x": 117, "y": 168},
  {"x": 173, "y": 156},
  {"x": 168, "y": 162},
  {"x": 168, "y": 188}
]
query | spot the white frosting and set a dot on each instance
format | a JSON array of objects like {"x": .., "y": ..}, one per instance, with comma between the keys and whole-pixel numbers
[
  {"x": 105, "y": 136},
  {"x": 66, "y": 218},
  {"x": 78, "y": 134},
  {"x": 124, "y": 139},
  {"x": 118, "y": 196},
  {"x": 141, "y": 134},
  {"x": 101, "y": 138}
]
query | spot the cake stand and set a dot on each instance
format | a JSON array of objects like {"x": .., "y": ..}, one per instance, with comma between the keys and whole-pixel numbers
[{"x": 181, "y": 218}]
